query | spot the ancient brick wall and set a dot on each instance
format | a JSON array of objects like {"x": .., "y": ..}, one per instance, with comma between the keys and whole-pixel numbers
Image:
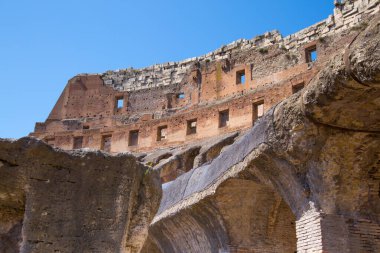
[{"x": 234, "y": 78}]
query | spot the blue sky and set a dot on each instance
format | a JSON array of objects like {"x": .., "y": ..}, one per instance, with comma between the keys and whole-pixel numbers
[{"x": 43, "y": 43}]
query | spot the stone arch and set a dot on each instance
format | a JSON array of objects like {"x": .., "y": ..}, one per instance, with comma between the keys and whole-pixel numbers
[
  {"x": 257, "y": 219},
  {"x": 244, "y": 215},
  {"x": 198, "y": 229}
]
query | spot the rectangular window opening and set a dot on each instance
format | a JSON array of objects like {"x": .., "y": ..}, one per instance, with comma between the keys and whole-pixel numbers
[
  {"x": 311, "y": 54},
  {"x": 240, "y": 77},
  {"x": 133, "y": 139},
  {"x": 191, "y": 126},
  {"x": 296, "y": 88},
  {"x": 86, "y": 127},
  {"x": 224, "y": 117},
  {"x": 258, "y": 111},
  {"x": 106, "y": 143},
  {"x": 78, "y": 142},
  {"x": 181, "y": 95},
  {"x": 161, "y": 133},
  {"x": 119, "y": 103}
]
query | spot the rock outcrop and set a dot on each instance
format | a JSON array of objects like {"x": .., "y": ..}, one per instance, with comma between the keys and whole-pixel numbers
[{"x": 73, "y": 201}]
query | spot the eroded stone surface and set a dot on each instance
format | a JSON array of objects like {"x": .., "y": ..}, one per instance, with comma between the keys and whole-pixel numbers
[{"x": 78, "y": 201}]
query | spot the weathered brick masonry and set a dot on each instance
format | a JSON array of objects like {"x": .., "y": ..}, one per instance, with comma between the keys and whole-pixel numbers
[{"x": 107, "y": 111}]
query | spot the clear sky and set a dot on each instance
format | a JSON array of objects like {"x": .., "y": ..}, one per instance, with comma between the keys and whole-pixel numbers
[{"x": 43, "y": 43}]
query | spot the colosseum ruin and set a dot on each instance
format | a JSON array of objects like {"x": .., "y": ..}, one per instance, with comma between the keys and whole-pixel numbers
[{"x": 266, "y": 145}]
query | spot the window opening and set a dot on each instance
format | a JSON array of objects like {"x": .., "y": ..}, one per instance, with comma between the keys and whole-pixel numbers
[
  {"x": 161, "y": 133},
  {"x": 311, "y": 54},
  {"x": 192, "y": 126},
  {"x": 133, "y": 138},
  {"x": 78, "y": 142},
  {"x": 258, "y": 111},
  {"x": 119, "y": 103},
  {"x": 240, "y": 77},
  {"x": 224, "y": 118},
  {"x": 106, "y": 143}
]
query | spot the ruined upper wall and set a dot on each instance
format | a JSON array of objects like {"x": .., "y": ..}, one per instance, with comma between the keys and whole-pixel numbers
[
  {"x": 118, "y": 105},
  {"x": 347, "y": 14}
]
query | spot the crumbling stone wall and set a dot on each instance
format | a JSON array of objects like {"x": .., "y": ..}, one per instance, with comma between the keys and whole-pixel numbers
[
  {"x": 198, "y": 88},
  {"x": 80, "y": 201}
]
